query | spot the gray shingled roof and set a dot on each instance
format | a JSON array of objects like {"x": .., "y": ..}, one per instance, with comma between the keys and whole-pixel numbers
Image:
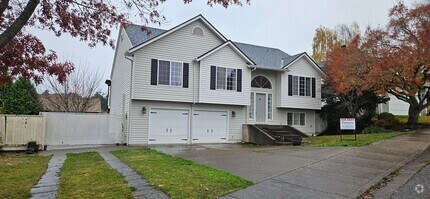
[
  {"x": 263, "y": 56},
  {"x": 137, "y": 36},
  {"x": 291, "y": 58}
]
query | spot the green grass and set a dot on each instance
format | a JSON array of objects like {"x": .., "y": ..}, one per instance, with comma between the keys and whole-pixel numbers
[
  {"x": 348, "y": 140},
  {"x": 422, "y": 119},
  {"x": 19, "y": 173},
  {"x": 181, "y": 178},
  {"x": 87, "y": 175}
]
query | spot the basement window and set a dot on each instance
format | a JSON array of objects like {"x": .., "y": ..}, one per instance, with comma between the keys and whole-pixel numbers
[{"x": 296, "y": 119}]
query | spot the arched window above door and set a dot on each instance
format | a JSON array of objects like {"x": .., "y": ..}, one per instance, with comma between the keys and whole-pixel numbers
[{"x": 261, "y": 82}]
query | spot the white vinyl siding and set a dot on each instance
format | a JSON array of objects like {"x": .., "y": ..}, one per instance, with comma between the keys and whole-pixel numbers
[
  {"x": 301, "y": 68},
  {"x": 120, "y": 77},
  {"x": 181, "y": 46},
  {"x": 224, "y": 57}
]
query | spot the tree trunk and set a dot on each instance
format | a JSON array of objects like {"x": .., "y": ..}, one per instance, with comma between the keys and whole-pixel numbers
[
  {"x": 413, "y": 115},
  {"x": 18, "y": 24}
]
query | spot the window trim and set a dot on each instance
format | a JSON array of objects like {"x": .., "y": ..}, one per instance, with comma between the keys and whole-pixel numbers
[
  {"x": 267, "y": 106},
  {"x": 270, "y": 82},
  {"x": 192, "y": 31},
  {"x": 298, "y": 85},
  {"x": 292, "y": 121},
  {"x": 226, "y": 78},
  {"x": 253, "y": 107},
  {"x": 170, "y": 73}
]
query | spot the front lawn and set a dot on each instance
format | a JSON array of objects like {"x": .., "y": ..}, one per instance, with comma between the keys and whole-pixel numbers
[
  {"x": 87, "y": 175},
  {"x": 422, "y": 119},
  {"x": 348, "y": 140},
  {"x": 19, "y": 173},
  {"x": 181, "y": 178}
]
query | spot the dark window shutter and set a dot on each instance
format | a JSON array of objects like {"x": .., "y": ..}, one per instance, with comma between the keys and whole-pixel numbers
[
  {"x": 154, "y": 69},
  {"x": 313, "y": 87},
  {"x": 239, "y": 80},
  {"x": 185, "y": 74},
  {"x": 213, "y": 77},
  {"x": 290, "y": 85}
]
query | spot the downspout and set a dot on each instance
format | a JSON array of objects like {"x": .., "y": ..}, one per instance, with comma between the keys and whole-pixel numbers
[
  {"x": 194, "y": 102},
  {"x": 129, "y": 57}
]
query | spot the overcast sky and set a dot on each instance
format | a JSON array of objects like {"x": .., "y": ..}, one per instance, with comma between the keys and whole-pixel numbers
[{"x": 285, "y": 24}]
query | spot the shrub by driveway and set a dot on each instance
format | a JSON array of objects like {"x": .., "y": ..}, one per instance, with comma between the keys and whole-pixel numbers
[
  {"x": 20, "y": 172},
  {"x": 181, "y": 178}
]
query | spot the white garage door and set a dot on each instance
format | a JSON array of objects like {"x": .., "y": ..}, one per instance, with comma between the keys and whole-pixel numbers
[
  {"x": 209, "y": 126},
  {"x": 168, "y": 126}
]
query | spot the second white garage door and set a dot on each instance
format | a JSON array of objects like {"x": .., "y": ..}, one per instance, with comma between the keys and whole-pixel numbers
[
  {"x": 168, "y": 126},
  {"x": 209, "y": 127}
]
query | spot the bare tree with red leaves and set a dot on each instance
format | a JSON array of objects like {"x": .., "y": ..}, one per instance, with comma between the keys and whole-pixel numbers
[
  {"x": 23, "y": 54},
  {"x": 394, "y": 60}
]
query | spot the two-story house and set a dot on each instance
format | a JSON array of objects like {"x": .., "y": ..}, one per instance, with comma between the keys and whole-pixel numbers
[{"x": 190, "y": 84}]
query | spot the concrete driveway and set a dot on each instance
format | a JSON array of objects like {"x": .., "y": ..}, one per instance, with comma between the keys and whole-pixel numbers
[
  {"x": 253, "y": 163},
  {"x": 306, "y": 172}
]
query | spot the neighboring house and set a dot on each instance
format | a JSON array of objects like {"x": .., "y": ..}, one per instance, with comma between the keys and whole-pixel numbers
[
  {"x": 395, "y": 107},
  {"x": 70, "y": 103},
  {"x": 190, "y": 84}
]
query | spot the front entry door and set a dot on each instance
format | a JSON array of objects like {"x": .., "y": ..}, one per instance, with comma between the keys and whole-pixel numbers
[{"x": 260, "y": 108}]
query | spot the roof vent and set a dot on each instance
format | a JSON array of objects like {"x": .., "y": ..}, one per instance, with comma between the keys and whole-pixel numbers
[{"x": 198, "y": 31}]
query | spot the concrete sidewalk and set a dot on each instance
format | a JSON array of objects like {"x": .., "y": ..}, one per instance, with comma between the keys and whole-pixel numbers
[
  {"x": 411, "y": 181},
  {"x": 307, "y": 172}
]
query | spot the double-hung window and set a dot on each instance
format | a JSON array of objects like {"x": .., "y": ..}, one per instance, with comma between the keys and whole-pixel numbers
[
  {"x": 226, "y": 78},
  {"x": 296, "y": 119},
  {"x": 231, "y": 79},
  {"x": 308, "y": 86},
  {"x": 170, "y": 73},
  {"x": 295, "y": 85},
  {"x": 301, "y": 86}
]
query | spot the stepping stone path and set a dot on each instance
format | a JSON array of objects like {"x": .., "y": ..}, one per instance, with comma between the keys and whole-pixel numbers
[
  {"x": 142, "y": 188},
  {"x": 47, "y": 186}
]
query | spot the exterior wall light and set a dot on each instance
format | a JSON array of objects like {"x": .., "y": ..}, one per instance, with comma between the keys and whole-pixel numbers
[
  {"x": 143, "y": 110},
  {"x": 233, "y": 113}
]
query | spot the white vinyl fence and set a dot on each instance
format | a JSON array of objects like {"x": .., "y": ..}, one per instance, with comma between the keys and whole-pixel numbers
[
  {"x": 18, "y": 130},
  {"x": 82, "y": 128}
]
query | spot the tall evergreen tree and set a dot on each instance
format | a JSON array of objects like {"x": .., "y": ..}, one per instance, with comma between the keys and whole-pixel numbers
[{"x": 19, "y": 98}]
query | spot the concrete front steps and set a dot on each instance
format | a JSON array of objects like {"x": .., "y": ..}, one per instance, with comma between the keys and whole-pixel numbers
[{"x": 263, "y": 134}]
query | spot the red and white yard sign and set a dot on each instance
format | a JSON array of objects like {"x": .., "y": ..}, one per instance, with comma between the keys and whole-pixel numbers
[{"x": 347, "y": 123}]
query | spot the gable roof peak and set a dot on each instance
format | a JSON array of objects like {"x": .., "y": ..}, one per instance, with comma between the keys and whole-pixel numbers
[{"x": 167, "y": 32}]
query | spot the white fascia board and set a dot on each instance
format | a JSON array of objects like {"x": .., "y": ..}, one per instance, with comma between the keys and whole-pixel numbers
[{"x": 198, "y": 17}]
